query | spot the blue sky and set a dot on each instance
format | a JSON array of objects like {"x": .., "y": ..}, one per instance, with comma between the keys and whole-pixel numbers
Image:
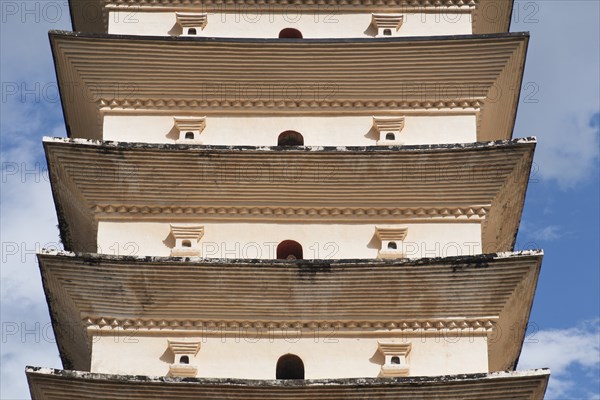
[{"x": 560, "y": 105}]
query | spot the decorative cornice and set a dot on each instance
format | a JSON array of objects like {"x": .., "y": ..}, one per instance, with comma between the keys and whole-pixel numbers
[
  {"x": 386, "y": 234},
  {"x": 184, "y": 347},
  {"x": 195, "y": 104},
  {"x": 391, "y": 124},
  {"x": 189, "y": 129},
  {"x": 399, "y": 351},
  {"x": 417, "y": 326},
  {"x": 458, "y": 5},
  {"x": 186, "y": 238},
  {"x": 394, "y": 348},
  {"x": 390, "y": 239},
  {"x": 167, "y": 212},
  {"x": 389, "y": 22},
  {"x": 191, "y": 19},
  {"x": 190, "y": 123},
  {"x": 187, "y": 231}
]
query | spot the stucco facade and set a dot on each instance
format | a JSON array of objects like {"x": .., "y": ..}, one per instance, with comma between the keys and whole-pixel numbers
[
  {"x": 319, "y": 241},
  {"x": 253, "y": 22},
  {"x": 316, "y": 130},
  {"x": 325, "y": 355}
]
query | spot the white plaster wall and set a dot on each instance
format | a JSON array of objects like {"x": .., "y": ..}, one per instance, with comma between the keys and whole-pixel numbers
[
  {"x": 319, "y": 241},
  {"x": 252, "y": 358},
  {"x": 316, "y": 130},
  {"x": 247, "y": 23}
]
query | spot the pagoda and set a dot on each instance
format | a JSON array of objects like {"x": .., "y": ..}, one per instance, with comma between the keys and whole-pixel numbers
[{"x": 299, "y": 199}]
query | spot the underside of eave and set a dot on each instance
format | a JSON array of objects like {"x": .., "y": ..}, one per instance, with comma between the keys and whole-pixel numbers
[
  {"x": 84, "y": 116},
  {"x": 492, "y": 16},
  {"x": 78, "y": 215},
  {"x": 502, "y": 225},
  {"x": 73, "y": 340},
  {"x": 505, "y": 349}
]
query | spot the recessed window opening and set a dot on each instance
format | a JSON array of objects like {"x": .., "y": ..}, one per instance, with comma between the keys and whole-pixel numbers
[
  {"x": 189, "y": 135},
  {"x": 387, "y": 32},
  {"x": 184, "y": 360},
  {"x": 289, "y": 366},
  {"x": 289, "y": 250},
  {"x": 192, "y": 31},
  {"x": 392, "y": 246},
  {"x": 290, "y": 138},
  {"x": 395, "y": 360},
  {"x": 186, "y": 243},
  {"x": 290, "y": 33},
  {"x": 390, "y": 136}
]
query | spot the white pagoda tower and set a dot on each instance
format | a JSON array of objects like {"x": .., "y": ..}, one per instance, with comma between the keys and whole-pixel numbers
[{"x": 289, "y": 199}]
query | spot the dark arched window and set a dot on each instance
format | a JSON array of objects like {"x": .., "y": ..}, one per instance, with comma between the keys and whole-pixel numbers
[
  {"x": 390, "y": 136},
  {"x": 392, "y": 246},
  {"x": 192, "y": 31},
  {"x": 395, "y": 360},
  {"x": 290, "y": 138},
  {"x": 189, "y": 135},
  {"x": 184, "y": 360},
  {"x": 290, "y": 367},
  {"x": 387, "y": 32},
  {"x": 290, "y": 33},
  {"x": 289, "y": 250}
]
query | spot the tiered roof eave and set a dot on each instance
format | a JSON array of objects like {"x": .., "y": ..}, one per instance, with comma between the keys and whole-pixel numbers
[
  {"x": 459, "y": 183},
  {"x": 478, "y": 74},
  {"x": 496, "y": 293}
]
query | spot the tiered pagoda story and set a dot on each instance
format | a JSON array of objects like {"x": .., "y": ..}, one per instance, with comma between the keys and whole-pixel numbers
[{"x": 299, "y": 199}]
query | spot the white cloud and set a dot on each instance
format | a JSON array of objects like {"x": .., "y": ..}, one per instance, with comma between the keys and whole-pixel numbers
[
  {"x": 562, "y": 70},
  {"x": 549, "y": 233},
  {"x": 568, "y": 152},
  {"x": 567, "y": 352}
]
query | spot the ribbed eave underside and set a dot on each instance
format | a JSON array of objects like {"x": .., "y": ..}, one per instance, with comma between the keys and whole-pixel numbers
[{"x": 363, "y": 297}]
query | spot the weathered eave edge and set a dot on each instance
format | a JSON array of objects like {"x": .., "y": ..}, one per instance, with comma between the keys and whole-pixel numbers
[
  {"x": 472, "y": 261},
  {"x": 522, "y": 37},
  {"x": 418, "y": 380},
  {"x": 56, "y": 33},
  {"x": 477, "y": 261},
  {"x": 63, "y": 231},
  {"x": 506, "y": 23},
  {"x": 37, "y": 377},
  {"x": 531, "y": 141}
]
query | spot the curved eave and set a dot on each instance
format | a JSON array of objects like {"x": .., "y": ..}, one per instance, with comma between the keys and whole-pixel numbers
[
  {"x": 100, "y": 74},
  {"x": 457, "y": 183},
  {"x": 87, "y": 291},
  {"x": 48, "y": 383},
  {"x": 489, "y": 16}
]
